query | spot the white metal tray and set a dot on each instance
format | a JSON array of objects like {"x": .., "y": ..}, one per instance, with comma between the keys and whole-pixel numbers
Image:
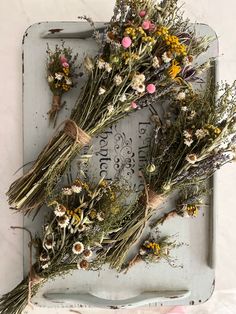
[{"x": 124, "y": 143}]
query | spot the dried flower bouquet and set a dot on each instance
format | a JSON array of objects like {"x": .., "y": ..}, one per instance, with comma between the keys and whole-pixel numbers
[
  {"x": 77, "y": 235},
  {"x": 145, "y": 51},
  {"x": 186, "y": 151},
  {"x": 61, "y": 75}
]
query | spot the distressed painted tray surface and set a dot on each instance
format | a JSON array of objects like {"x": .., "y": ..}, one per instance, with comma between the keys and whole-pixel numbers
[{"x": 122, "y": 148}]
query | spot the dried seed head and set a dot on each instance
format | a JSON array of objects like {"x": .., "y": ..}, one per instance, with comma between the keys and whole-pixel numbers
[
  {"x": 88, "y": 64},
  {"x": 87, "y": 253},
  {"x": 83, "y": 264},
  {"x": 78, "y": 248},
  {"x": 151, "y": 168}
]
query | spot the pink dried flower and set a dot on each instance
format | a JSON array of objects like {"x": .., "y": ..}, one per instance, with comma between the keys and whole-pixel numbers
[
  {"x": 142, "y": 13},
  {"x": 151, "y": 88},
  {"x": 65, "y": 65},
  {"x": 146, "y": 25},
  {"x": 126, "y": 42},
  {"x": 134, "y": 105},
  {"x": 63, "y": 59}
]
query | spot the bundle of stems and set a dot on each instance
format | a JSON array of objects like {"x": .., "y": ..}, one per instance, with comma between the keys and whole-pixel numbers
[
  {"x": 15, "y": 301},
  {"x": 180, "y": 162},
  {"x": 61, "y": 76},
  {"x": 145, "y": 48},
  {"x": 197, "y": 141},
  {"x": 84, "y": 217}
]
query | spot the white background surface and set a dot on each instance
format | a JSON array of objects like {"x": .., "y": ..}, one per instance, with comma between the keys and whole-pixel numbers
[{"x": 15, "y": 17}]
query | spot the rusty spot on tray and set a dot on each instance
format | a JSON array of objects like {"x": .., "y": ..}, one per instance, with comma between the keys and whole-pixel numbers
[
  {"x": 191, "y": 303},
  {"x": 112, "y": 307},
  {"x": 55, "y": 30},
  {"x": 24, "y": 37},
  {"x": 174, "y": 297},
  {"x": 74, "y": 311}
]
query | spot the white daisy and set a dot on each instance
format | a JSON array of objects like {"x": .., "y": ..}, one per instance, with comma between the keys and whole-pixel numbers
[
  {"x": 187, "y": 134},
  {"x": 50, "y": 79},
  {"x": 59, "y": 76},
  {"x": 166, "y": 58},
  {"x": 101, "y": 64},
  {"x": 188, "y": 142},
  {"x": 100, "y": 216},
  {"x": 49, "y": 244},
  {"x": 81, "y": 228},
  {"x": 87, "y": 253},
  {"x": 201, "y": 133},
  {"x": 140, "y": 88},
  {"x": 108, "y": 67},
  {"x": 142, "y": 251},
  {"x": 76, "y": 188},
  {"x": 63, "y": 221},
  {"x": 60, "y": 210},
  {"x": 101, "y": 91},
  {"x": 138, "y": 78},
  {"x": 110, "y": 109},
  {"x": 181, "y": 96},
  {"x": 83, "y": 264},
  {"x": 184, "y": 108},
  {"x": 155, "y": 63},
  {"x": 138, "y": 83},
  {"x": 191, "y": 158},
  {"x": 78, "y": 248},
  {"x": 44, "y": 257},
  {"x": 117, "y": 79},
  {"x": 123, "y": 98}
]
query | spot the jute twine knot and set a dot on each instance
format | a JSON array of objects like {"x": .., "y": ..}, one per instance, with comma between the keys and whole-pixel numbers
[
  {"x": 34, "y": 278},
  {"x": 154, "y": 200},
  {"x": 72, "y": 130},
  {"x": 56, "y": 103}
]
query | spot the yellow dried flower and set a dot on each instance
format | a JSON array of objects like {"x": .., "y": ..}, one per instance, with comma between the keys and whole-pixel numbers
[
  {"x": 66, "y": 71},
  {"x": 192, "y": 210},
  {"x": 92, "y": 214},
  {"x": 174, "y": 70},
  {"x": 155, "y": 247}
]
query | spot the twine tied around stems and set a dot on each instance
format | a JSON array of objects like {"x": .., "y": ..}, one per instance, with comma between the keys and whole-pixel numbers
[
  {"x": 154, "y": 200},
  {"x": 55, "y": 108},
  {"x": 72, "y": 130},
  {"x": 34, "y": 278},
  {"x": 56, "y": 103}
]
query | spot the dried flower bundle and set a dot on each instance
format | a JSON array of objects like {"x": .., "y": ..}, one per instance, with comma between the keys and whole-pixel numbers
[
  {"x": 147, "y": 54},
  {"x": 184, "y": 153},
  {"x": 145, "y": 51},
  {"x": 61, "y": 75},
  {"x": 155, "y": 250},
  {"x": 78, "y": 234},
  {"x": 188, "y": 204},
  {"x": 196, "y": 141}
]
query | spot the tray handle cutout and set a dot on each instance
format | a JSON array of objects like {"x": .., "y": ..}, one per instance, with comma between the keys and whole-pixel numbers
[
  {"x": 140, "y": 300},
  {"x": 61, "y": 33}
]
